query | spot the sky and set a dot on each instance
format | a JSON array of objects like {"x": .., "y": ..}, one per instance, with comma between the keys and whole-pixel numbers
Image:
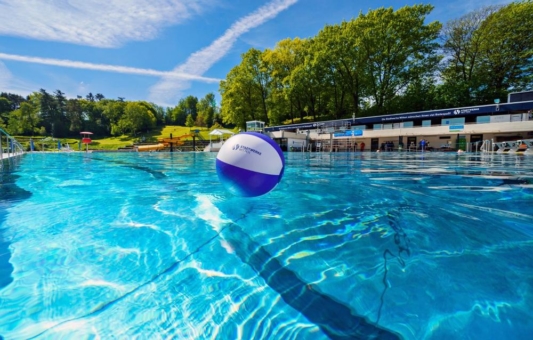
[{"x": 164, "y": 50}]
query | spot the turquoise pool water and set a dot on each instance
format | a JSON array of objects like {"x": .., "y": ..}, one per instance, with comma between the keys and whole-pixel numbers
[{"x": 151, "y": 246}]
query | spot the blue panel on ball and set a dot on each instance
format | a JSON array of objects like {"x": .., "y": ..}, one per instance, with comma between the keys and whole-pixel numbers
[{"x": 244, "y": 182}]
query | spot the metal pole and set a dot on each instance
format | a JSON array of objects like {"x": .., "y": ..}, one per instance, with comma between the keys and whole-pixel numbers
[{"x": 171, "y": 143}]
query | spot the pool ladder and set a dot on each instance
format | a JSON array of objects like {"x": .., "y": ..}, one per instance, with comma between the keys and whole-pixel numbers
[{"x": 10, "y": 150}]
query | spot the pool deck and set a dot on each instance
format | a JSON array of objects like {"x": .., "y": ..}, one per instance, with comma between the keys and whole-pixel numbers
[{"x": 9, "y": 155}]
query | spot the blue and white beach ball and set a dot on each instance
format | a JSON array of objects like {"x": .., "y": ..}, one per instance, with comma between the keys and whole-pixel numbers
[{"x": 250, "y": 164}]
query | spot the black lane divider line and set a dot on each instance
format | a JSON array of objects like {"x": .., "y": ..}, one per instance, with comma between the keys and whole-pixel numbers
[
  {"x": 402, "y": 242},
  {"x": 335, "y": 319}
]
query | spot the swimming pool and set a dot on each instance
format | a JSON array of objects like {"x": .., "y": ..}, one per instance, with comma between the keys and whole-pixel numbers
[{"x": 150, "y": 245}]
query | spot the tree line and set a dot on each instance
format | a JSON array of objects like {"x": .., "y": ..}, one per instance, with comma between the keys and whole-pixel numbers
[
  {"x": 52, "y": 114},
  {"x": 385, "y": 62},
  {"x": 382, "y": 62}
]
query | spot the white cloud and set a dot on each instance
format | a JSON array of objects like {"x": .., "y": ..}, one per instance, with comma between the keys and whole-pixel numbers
[
  {"x": 107, "y": 68},
  {"x": 99, "y": 23},
  {"x": 168, "y": 89}
]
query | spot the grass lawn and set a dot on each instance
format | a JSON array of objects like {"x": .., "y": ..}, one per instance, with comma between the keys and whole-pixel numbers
[{"x": 114, "y": 143}]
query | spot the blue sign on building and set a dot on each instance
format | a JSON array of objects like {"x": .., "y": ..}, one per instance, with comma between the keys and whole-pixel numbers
[{"x": 457, "y": 128}]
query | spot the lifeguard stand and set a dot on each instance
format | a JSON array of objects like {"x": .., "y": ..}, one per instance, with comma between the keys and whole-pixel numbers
[
  {"x": 255, "y": 125},
  {"x": 86, "y": 139}
]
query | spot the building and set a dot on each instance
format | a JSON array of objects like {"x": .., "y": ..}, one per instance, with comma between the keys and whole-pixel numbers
[{"x": 463, "y": 128}]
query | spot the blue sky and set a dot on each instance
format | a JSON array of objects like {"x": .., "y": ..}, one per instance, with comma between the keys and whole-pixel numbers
[{"x": 162, "y": 50}]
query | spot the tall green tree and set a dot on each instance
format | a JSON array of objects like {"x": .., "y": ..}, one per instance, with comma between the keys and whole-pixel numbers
[
  {"x": 137, "y": 117},
  {"x": 189, "y": 122},
  {"x": 507, "y": 61},
  {"x": 245, "y": 91},
  {"x": 47, "y": 109},
  {"x": 5, "y": 109},
  {"x": 60, "y": 120},
  {"x": 14, "y": 99},
  {"x": 74, "y": 115},
  {"x": 186, "y": 106},
  {"x": 94, "y": 118},
  {"x": 307, "y": 84},
  {"x": 399, "y": 47},
  {"x": 462, "y": 45},
  {"x": 283, "y": 60},
  {"x": 5, "y": 105},
  {"x": 24, "y": 120},
  {"x": 112, "y": 110},
  {"x": 160, "y": 114},
  {"x": 206, "y": 110},
  {"x": 338, "y": 52}
]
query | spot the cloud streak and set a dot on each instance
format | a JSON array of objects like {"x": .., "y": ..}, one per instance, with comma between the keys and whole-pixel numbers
[
  {"x": 98, "y": 23},
  {"x": 107, "y": 68},
  {"x": 169, "y": 89}
]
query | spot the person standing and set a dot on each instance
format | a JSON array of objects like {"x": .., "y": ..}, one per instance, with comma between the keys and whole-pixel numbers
[{"x": 362, "y": 146}]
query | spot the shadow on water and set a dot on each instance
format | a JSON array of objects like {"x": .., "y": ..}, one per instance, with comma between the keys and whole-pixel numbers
[
  {"x": 335, "y": 319},
  {"x": 9, "y": 194},
  {"x": 156, "y": 174}
]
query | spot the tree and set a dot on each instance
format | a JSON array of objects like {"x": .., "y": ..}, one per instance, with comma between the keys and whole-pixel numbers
[
  {"x": 507, "y": 62},
  {"x": 5, "y": 108},
  {"x": 112, "y": 110},
  {"x": 94, "y": 118},
  {"x": 462, "y": 47},
  {"x": 14, "y": 99},
  {"x": 399, "y": 48},
  {"x": 24, "y": 120},
  {"x": 47, "y": 110},
  {"x": 206, "y": 110},
  {"x": 488, "y": 53},
  {"x": 74, "y": 115},
  {"x": 5, "y": 105},
  {"x": 339, "y": 54},
  {"x": 160, "y": 114},
  {"x": 283, "y": 60},
  {"x": 60, "y": 120},
  {"x": 189, "y": 121},
  {"x": 245, "y": 90},
  {"x": 185, "y": 107},
  {"x": 137, "y": 117}
]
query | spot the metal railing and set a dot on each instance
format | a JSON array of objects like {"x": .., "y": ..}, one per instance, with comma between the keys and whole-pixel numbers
[
  {"x": 10, "y": 150},
  {"x": 521, "y": 145}
]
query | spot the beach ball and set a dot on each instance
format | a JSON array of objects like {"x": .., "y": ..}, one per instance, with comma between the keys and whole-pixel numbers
[{"x": 250, "y": 164}]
